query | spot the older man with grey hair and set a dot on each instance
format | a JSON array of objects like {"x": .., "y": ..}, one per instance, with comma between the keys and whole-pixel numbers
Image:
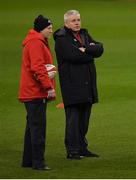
[{"x": 76, "y": 51}]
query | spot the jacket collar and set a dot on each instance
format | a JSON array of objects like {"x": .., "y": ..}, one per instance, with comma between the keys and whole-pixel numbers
[{"x": 32, "y": 34}]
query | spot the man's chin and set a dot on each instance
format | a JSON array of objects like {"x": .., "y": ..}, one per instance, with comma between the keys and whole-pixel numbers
[{"x": 76, "y": 30}]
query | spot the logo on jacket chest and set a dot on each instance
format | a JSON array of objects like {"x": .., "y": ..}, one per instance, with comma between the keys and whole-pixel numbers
[{"x": 76, "y": 42}]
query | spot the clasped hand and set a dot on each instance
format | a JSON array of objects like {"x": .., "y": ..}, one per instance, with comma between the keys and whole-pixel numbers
[{"x": 51, "y": 94}]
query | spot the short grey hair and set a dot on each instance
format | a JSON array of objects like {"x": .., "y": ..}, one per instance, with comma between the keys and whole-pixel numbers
[{"x": 69, "y": 13}]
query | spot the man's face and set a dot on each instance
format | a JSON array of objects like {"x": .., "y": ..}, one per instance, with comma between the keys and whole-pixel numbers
[
  {"x": 73, "y": 22},
  {"x": 47, "y": 32}
]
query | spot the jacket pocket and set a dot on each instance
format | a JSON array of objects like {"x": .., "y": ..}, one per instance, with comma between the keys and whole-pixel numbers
[{"x": 79, "y": 74}]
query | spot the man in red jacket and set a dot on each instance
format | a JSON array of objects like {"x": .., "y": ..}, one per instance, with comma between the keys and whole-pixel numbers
[{"x": 36, "y": 88}]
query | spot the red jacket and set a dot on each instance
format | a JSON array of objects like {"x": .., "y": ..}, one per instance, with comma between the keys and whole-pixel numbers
[{"x": 34, "y": 81}]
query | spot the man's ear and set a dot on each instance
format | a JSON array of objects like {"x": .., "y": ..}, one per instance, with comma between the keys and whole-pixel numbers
[{"x": 66, "y": 24}]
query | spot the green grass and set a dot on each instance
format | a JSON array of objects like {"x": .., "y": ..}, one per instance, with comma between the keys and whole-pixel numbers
[{"x": 112, "y": 131}]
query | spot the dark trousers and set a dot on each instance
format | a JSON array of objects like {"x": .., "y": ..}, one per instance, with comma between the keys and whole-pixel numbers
[
  {"x": 34, "y": 140},
  {"x": 77, "y": 122}
]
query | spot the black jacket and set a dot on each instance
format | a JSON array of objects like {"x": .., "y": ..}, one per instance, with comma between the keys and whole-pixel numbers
[{"x": 76, "y": 69}]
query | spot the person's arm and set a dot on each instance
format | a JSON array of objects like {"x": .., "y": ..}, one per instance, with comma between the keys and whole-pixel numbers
[
  {"x": 94, "y": 48},
  {"x": 69, "y": 52},
  {"x": 38, "y": 64}
]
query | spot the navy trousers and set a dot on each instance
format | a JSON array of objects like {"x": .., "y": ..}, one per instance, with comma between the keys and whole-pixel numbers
[
  {"x": 77, "y": 122},
  {"x": 34, "y": 140}
]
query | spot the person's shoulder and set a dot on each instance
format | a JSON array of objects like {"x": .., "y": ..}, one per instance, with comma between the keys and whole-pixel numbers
[
  {"x": 83, "y": 31},
  {"x": 35, "y": 43},
  {"x": 59, "y": 33}
]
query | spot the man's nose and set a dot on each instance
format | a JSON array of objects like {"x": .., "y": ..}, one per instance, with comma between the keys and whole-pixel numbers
[{"x": 77, "y": 22}]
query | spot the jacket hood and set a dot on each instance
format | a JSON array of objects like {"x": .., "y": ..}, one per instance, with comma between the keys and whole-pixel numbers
[
  {"x": 32, "y": 34},
  {"x": 59, "y": 32},
  {"x": 64, "y": 30}
]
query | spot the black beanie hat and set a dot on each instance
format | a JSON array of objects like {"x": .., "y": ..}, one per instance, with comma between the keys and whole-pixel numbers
[{"x": 41, "y": 22}]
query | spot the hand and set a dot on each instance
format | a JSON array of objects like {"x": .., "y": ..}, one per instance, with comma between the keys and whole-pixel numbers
[
  {"x": 92, "y": 44},
  {"x": 82, "y": 49},
  {"x": 51, "y": 94},
  {"x": 52, "y": 74}
]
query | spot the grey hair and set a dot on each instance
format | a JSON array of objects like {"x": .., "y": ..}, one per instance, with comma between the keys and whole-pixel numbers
[{"x": 70, "y": 12}]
